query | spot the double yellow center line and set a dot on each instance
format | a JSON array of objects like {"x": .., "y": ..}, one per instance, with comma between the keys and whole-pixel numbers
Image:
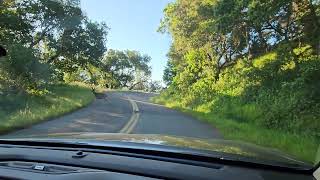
[{"x": 127, "y": 129}]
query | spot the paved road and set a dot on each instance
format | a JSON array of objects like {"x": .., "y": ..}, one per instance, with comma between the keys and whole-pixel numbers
[{"x": 124, "y": 112}]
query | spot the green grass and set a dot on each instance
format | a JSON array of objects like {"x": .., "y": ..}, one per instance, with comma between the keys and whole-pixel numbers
[
  {"x": 302, "y": 147},
  {"x": 20, "y": 111}
]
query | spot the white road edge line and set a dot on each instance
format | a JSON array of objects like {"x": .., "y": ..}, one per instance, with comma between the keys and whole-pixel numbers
[{"x": 127, "y": 129}]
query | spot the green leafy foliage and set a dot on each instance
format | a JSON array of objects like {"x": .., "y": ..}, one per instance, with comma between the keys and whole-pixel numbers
[
  {"x": 255, "y": 63},
  {"x": 126, "y": 68},
  {"x": 44, "y": 40},
  {"x": 50, "y": 43},
  {"x": 21, "y": 71},
  {"x": 53, "y": 41}
]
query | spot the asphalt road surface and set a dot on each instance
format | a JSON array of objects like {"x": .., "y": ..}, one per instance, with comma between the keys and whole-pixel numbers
[{"x": 123, "y": 112}]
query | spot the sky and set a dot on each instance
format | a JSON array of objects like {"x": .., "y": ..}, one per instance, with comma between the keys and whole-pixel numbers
[{"x": 133, "y": 25}]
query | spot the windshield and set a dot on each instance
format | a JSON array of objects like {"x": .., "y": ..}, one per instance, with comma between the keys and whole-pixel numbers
[{"x": 238, "y": 77}]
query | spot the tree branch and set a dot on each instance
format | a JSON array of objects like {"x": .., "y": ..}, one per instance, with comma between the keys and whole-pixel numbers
[
  {"x": 42, "y": 35},
  {"x": 53, "y": 58}
]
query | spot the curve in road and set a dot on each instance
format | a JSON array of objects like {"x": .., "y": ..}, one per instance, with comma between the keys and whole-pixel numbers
[{"x": 124, "y": 112}]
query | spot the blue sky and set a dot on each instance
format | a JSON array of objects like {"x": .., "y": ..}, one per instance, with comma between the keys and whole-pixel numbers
[{"x": 133, "y": 26}]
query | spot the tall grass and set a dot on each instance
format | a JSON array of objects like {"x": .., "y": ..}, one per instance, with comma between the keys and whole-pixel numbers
[
  {"x": 302, "y": 147},
  {"x": 272, "y": 101},
  {"x": 19, "y": 111}
]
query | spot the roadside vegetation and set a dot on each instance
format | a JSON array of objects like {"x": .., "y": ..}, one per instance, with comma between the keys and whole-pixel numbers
[
  {"x": 51, "y": 44},
  {"x": 20, "y": 111},
  {"x": 249, "y": 68}
]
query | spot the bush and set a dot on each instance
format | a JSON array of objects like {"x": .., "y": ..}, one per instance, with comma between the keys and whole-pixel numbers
[
  {"x": 272, "y": 101},
  {"x": 272, "y": 92},
  {"x": 22, "y": 72}
]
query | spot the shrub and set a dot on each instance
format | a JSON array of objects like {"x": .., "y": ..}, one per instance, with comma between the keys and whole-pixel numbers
[{"x": 272, "y": 91}]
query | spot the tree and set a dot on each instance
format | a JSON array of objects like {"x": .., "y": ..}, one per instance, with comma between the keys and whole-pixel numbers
[
  {"x": 13, "y": 25},
  {"x": 53, "y": 17},
  {"x": 45, "y": 37},
  {"x": 126, "y": 68},
  {"x": 155, "y": 86},
  {"x": 228, "y": 56},
  {"x": 169, "y": 73},
  {"x": 79, "y": 47},
  {"x": 230, "y": 31},
  {"x": 21, "y": 71},
  {"x": 195, "y": 25}
]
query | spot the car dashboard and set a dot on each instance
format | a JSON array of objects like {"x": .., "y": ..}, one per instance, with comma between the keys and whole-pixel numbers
[{"x": 41, "y": 162}]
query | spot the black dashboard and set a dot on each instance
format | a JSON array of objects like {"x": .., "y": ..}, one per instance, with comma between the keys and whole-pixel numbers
[{"x": 24, "y": 162}]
